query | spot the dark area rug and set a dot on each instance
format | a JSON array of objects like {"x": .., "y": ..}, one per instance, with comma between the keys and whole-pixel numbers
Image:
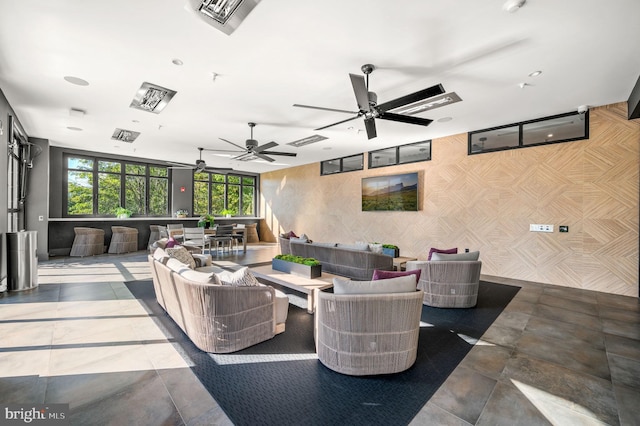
[{"x": 280, "y": 382}]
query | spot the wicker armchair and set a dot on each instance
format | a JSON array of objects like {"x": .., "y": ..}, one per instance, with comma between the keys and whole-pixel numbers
[
  {"x": 448, "y": 284},
  {"x": 366, "y": 334}
]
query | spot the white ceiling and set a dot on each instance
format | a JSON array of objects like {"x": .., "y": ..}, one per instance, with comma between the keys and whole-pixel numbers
[{"x": 293, "y": 51}]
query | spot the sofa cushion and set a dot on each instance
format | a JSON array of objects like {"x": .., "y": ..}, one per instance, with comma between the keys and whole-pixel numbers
[
  {"x": 241, "y": 277},
  {"x": 180, "y": 253},
  {"x": 404, "y": 284},
  {"x": 160, "y": 255},
  {"x": 200, "y": 277},
  {"x": 474, "y": 255},
  {"x": 357, "y": 246},
  {"x": 175, "y": 265},
  {"x": 299, "y": 239},
  {"x": 383, "y": 275},
  {"x": 445, "y": 251}
]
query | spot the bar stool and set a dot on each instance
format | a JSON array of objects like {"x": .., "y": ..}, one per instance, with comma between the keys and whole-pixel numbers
[
  {"x": 123, "y": 240},
  {"x": 87, "y": 242}
]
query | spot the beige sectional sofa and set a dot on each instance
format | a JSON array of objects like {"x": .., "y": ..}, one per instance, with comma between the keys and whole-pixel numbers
[
  {"x": 341, "y": 259},
  {"x": 217, "y": 318}
]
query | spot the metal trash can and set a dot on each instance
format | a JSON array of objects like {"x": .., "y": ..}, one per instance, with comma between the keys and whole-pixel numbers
[{"x": 22, "y": 265}]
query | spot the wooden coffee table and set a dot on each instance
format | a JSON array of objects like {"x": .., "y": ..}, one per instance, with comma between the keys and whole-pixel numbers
[
  {"x": 400, "y": 262},
  {"x": 310, "y": 287}
]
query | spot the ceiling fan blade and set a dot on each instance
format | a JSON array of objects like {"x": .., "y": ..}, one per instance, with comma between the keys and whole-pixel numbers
[
  {"x": 405, "y": 119},
  {"x": 325, "y": 109},
  {"x": 264, "y": 157},
  {"x": 265, "y": 146},
  {"x": 413, "y": 97},
  {"x": 361, "y": 92},
  {"x": 339, "y": 122},
  {"x": 286, "y": 154},
  {"x": 370, "y": 125},
  {"x": 241, "y": 147}
]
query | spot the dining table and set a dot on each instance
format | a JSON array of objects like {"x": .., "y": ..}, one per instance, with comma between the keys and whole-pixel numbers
[{"x": 237, "y": 231}]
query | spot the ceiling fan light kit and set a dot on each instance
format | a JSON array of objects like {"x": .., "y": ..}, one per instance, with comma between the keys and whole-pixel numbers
[{"x": 369, "y": 108}]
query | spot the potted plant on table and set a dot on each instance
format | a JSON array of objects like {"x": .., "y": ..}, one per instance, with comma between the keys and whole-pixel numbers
[
  {"x": 226, "y": 212},
  {"x": 122, "y": 213},
  {"x": 297, "y": 265},
  {"x": 182, "y": 213},
  {"x": 205, "y": 221}
]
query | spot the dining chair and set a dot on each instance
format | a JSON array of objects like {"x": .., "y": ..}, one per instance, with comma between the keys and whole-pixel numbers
[
  {"x": 223, "y": 237},
  {"x": 175, "y": 230},
  {"x": 195, "y": 237},
  {"x": 238, "y": 236}
]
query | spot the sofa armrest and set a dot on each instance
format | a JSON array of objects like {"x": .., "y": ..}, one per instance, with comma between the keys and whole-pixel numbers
[{"x": 205, "y": 259}]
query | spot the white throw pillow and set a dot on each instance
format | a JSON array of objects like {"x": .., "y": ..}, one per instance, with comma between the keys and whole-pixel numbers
[
  {"x": 200, "y": 277},
  {"x": 375, "y": 247},
  {"x": 474, "y": 255},
  {"x": 160, "y": 255},
  {"x": 241, "y": 278},
  {"x": 405, "y": 284}
]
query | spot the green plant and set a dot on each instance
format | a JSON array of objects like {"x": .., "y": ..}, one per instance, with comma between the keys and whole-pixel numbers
[
  {"x": 225, "y": 212},
  {"x": 121, "y": 211},
  {"x": 309, "y": 261},
  {"x": 390, "y": 246}
]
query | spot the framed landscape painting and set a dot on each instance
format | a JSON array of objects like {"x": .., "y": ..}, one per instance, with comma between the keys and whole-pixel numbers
[{"x": 390, "y": 193}]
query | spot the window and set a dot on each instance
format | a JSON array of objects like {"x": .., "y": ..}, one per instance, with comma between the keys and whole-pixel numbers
[
  {"x": 97, "y": 187},
  {"x": 340, "y": 165},
  {"x": 402, "y": 154},
  {"x": 558, "y": 128},
  {"x": 17, "y": 150},
  {"x": 214, "y": 192}
]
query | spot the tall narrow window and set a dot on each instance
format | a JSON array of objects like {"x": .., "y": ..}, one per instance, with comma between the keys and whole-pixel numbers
[
  {"x": 136, "y": 188},
  {"x": 158, "y": 191},
  {"x": 79, "y": 186},
  {"x": 109, "y": 187}
]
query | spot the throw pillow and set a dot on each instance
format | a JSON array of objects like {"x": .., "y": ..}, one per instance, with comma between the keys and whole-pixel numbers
[
  {"x": 375, "y": 247},
  {"x": 200, "y": 277},
  {"x": 474, "y": 255},
  {"x": 379, "y": 274},
  {"x": 405, "y": 284},
  {"x": 180, "y": 253},
  {"x": 298, "y": 240},
  {"x": 445, "y": 251},
  {"x": 360, "y": 247},
  {"x": 241, "y": 278},
  {"x": 171, "y": 243}
]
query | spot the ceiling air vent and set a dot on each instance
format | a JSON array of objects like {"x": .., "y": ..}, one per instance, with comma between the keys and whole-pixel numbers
[
  {"x": 427, "y": 104},
  {"x": 123, "y": 135},
  {"x": 307, "y": 141},
  {"x": 224, "y": 15},
  {"x": 152, "y": 98}
]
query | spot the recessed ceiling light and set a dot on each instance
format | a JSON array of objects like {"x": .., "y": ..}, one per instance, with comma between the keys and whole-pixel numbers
[
  {"x": 177, "y": 61},
  {"x": 535, "y": 73},
  {"x": 76, "y": 80},
  {"x": 135, "y": 121},
  {"x": 327, "y": 148},
  {"x": 550, "y": 135},
  {"x": 77, "y": 129},
  {"x": 444, "y": 119}
]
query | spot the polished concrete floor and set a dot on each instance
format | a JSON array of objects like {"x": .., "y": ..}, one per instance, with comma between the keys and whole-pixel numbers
[{"x": 555, "y": 355}]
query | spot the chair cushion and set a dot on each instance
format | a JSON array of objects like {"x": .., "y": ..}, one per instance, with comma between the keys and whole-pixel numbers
[
  {"x": 404, "y": 284},
  {"x": 474, "y": 255},
  {"x": 445, "y": 251},
  {"x": 381, "y": 275},
  {"x": 241, "y": 277},
  {"x": 182, "y": 254}
]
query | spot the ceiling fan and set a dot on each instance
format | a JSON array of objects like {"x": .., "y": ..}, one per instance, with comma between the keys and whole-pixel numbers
[
  {"x": 199, "y": 166},
  {"x": 368, "y": 104},
  {"x": 253, "y": 151}
]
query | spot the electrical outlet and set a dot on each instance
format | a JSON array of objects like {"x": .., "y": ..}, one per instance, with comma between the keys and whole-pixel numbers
[{"x": 540, "y": 228}]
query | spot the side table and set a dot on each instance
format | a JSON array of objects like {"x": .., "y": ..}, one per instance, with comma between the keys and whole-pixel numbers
[{"x": 400, "y": 263}]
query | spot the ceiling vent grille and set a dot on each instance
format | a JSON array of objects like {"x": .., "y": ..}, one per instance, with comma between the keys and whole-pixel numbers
[
  {"x": 152, "y": 98},
  {"x": 307, "y": 141},
  {"x": 123, "y": 135}
]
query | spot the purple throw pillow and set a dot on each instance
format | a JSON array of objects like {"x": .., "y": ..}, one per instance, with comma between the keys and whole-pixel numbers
[
  {"x": 382, "y": 275},
  {"x": 444, "y": 251},
  {"x": 171, "y": 243}
]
